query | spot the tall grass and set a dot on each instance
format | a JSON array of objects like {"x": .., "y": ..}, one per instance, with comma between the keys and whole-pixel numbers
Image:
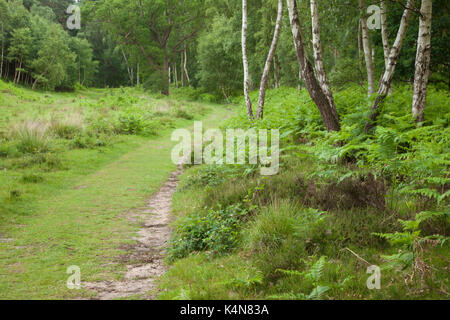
[{"x": 32, "y": 136}]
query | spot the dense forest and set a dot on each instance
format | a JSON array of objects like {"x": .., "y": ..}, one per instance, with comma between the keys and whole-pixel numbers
[{"x": 358, "y": 90}]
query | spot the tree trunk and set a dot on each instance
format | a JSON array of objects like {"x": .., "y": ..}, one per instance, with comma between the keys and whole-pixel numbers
[
  {"x": 299, "y": 87},
  {"x": 318, "y": 55},
  {"x": 3, "y": 51},
  {"x": 248, "y": 102},
  {"x": 329, "y": 117},
  {"x": 276, "y": 71},
  {"x": 384, "y": 33},
  {"x": 367, "y": 51},
  {"x": 265, "y": 75},
  {"x": 130, "y": 74},
  {"x": 137, "y": 73},
  {"x": 182, "y": 70},
  {"x": 185, "y": 66},
  {"x": 422, "y": 61},
  {"x": 176, "y": 75},
  {"x": 166, "y": 85},
  {"x": 385, "y": 37},
  {"x": 386, "y": 80}
]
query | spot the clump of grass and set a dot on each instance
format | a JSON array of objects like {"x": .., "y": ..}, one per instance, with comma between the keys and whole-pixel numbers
[
  {"x": 32, "y": 137},
  {"x": 68, "y": 127},
  {"x": 181, "y": 113},
  {"x": 281, "y": 233},
  {"x": 32, "y": 178},
  {"x": 46, "y": 161}
]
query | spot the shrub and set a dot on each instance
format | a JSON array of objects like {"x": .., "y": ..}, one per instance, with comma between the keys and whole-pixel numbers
[
  {"x": 282, "y": 233},
  {"x": 181, "y": 113},
  {"x": 130, "y": 123},
  {"x": 213, "y": 230}
]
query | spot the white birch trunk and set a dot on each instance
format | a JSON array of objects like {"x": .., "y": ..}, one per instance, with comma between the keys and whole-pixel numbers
[
  {"x": 3, "y": 51},
  {"x": 386, "y": 80},
  {"x": 384, "y": 33},
  {"x": 185, "y": 66},
  {"x": 422, "y": 61},
  {"x": 265, "y": 75},
  {"x": 318, "y": 55},
  {"x": 329, "y": 115},
  {"x": 384, "y": 36},
  {"x": 176, "y": 75},
  {"x": 248, "y": 102},
  {"x": 367, "y": 51}
]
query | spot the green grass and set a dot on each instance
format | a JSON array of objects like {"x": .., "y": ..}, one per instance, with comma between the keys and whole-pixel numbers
[
  {"x": 285, "y": 233},
  {"x": 75, "y": 213},
  {"x": 366, "y": 188}
]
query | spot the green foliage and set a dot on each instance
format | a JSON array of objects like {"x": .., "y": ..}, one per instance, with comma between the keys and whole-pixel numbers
[
  {"x": 411, "y": 242},
  {"x": 210, "y": 230},
  {"x": 129, "y": 123},
  {"x": 314, "y": 275}
]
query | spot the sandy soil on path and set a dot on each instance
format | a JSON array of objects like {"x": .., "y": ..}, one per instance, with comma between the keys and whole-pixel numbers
[{"x": 148, "y": 254}]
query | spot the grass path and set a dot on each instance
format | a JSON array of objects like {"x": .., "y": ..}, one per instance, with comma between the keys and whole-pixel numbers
[{"x": 85, "y": 225}]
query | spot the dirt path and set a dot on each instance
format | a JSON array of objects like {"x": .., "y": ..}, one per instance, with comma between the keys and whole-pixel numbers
[{"x": 146, "y": 257}]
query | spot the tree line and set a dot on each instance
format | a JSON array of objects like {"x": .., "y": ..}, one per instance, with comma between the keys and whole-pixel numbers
[{"x": 226, "y": 46}]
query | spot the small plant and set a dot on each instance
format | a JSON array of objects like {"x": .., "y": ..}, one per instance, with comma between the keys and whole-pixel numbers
[
  {"x": 135, "y": 124},
  {"x": 180, "y": 113},
  {"x": 412, "y": 244},
  {"x": 207, "y": 176},
  {"x": 214, "y": 230},
  {"x": 315, "y": 276},
  {"x": 32, "y": 178}
]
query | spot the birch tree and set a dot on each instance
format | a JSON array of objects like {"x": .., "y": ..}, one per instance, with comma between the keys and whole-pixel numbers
[
  {"x": 422, "y": 61},
  {"x": 367, "y": 50},
  {"x": 384, "y": 33},
  {"x": 265, "y": 75},
  {"x": 328, "y": 113},
  {"x": 386, "y": 80},
  {"x": 248, "y": 101},
  {"x": 318, "y": 55}
]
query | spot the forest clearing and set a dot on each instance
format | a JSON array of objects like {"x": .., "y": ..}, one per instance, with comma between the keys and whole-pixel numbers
[{"x": 224, "y": 150}]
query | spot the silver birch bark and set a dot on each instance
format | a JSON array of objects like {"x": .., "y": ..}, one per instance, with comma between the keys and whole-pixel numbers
[
  {"x": 384, "y": 33},
  {"x": 384, "y": 36},
  {"x": 3, "y": 50},
  {"x": 329, "y": 115},
  {"x": 386, "y": 80},
  {"x": 137, "y": 72},
  {"x": 176, "y": 75},
  {"x": 318, "y": 54},
  {"x": 422, "y": 61},
  {"x": 265, "y": 75},
  {"x": 185, "y": 66},
  {"x": 367, "y": 51},
  {"x": 248, "y": 102}
]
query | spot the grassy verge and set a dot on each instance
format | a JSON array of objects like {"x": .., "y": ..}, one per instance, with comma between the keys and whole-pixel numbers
[
  {"x": 340, "y": 203},
  {"x": 64, "y": 205}
]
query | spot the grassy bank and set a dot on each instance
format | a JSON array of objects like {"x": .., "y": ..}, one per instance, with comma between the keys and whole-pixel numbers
[
  {"x": 340, "y": 203},
  {"x": 72, "y": 165}
]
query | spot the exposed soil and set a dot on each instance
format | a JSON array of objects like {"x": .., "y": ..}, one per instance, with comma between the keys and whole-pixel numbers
[{"x": 146, "y": 257}]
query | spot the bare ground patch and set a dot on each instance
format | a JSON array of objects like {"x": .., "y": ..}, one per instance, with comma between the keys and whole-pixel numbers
[{"x": 145, "y": 259}]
